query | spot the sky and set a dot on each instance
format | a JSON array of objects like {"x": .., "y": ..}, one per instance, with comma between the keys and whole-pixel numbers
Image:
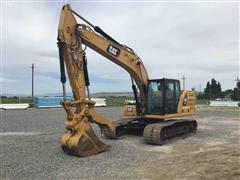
[{"x": 198, "y": 40}]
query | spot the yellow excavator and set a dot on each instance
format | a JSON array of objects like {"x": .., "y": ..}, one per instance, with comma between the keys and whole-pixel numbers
[{"x": 154, "y": 113}]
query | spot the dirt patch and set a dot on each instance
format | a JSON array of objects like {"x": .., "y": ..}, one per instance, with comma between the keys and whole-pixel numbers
[{"x": 208, "y": 163}]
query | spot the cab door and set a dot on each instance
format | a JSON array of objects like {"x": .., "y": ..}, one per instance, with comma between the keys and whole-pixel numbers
[{"x": 172, "y": 93}]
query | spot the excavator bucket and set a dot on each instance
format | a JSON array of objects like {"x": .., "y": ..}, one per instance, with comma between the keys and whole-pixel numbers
[{"x": 82, "y": 142}]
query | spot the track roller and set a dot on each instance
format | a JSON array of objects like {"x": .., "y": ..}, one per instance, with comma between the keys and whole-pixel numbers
[{"x": 158, "y": 133}]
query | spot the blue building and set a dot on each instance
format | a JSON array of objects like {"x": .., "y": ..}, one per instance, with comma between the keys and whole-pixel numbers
[{"x": 42, "y": 102}]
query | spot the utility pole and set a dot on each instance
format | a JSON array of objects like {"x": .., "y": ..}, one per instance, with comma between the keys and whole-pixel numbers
[
  {"x": 200, "y": 88},
  {"x": 32, "y": 81},
  {"x": 237, "y": 79},
  {"x": 183, "y": 78}
]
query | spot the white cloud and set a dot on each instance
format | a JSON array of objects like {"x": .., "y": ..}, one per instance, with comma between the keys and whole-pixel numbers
[
  {"x": 5, "y": 80},
  {"x": 198, "y": 40}
]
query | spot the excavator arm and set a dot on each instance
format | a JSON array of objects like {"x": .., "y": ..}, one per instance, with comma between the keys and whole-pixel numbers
[{"x": 79, "y": 138}]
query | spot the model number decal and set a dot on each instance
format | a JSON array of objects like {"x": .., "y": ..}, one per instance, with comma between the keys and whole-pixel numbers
[{"x": 113, "y": 50}]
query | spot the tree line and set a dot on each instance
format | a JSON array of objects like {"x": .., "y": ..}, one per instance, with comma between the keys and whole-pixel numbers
[{"x": 213, "y": 90}]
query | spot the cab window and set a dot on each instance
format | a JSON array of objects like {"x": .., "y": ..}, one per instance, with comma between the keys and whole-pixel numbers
[{"x": 155, "y": 97}]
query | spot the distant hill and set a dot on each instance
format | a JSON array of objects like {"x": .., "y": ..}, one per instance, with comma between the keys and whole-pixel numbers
[{"x": 113, "y": 94}]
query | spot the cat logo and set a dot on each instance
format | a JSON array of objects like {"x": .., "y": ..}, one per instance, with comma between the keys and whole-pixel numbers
[{"x": 113, "y": 50}]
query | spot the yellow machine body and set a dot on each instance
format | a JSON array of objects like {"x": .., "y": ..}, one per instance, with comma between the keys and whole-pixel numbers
[{"x": 79, "y": 138}]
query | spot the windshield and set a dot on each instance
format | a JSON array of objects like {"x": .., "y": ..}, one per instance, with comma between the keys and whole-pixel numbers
[{"x": 155, "y": 98}]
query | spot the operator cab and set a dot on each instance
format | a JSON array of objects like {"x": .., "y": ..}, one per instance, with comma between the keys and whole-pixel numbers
[{"x": 163, "y": 96}]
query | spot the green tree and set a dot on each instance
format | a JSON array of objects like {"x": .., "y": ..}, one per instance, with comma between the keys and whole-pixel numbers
[
  {"x": 236, "y": 92},
  {"x": 213, "y": 90},
  {"x": 219, "y": 90},
  {"x": 207, "y": 90},
  {"x": 213, "y": 86},
  {"x": 227, "y": 93}
]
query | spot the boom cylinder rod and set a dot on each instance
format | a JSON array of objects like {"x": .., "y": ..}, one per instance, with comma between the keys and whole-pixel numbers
[
  {"x": 97, "y": 29},
  {"x": 62, "y": 68},
  {"x": 88, "y": 92},
  {"x": 90, "y": 24},
  {"x": 86, "y": 77},
  {"x": 136, "y": 97},
  {"x": 64, "y": 92}
]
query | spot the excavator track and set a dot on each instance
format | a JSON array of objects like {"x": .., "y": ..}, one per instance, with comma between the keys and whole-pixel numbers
[{"x": 158, "y": 133}]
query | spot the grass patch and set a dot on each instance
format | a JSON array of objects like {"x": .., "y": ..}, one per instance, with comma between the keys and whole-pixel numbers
[
  {"x": 116, "y": 101},
  {"x": 16, "y": 100},
  {"x": 202, "y": 102}
]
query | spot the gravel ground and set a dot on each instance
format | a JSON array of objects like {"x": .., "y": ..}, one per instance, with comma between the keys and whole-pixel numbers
[{"x": 30, "y": 149}]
